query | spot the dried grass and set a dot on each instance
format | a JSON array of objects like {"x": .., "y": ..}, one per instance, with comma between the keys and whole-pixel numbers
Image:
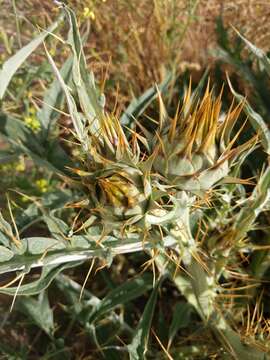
[{"x": 141, "y": 39}]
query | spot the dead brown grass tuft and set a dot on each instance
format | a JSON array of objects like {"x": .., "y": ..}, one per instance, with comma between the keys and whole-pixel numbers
[{"x": 140, "y": 40}]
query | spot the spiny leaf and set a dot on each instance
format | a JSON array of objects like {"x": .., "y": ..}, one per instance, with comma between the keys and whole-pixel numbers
[
  {"x": 256, "y": 120},
  {"x": 253, "y": 206},
  {"x": 260, "y": 55},
  {"x": 238, "y": 349},
  {"x": 63, "y": 252},
  {"x": 40, "y": 245},
  {"x": 90, "y": 101}
]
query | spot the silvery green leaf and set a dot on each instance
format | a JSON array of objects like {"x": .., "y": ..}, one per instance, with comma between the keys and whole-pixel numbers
[
  {"x": 256, "y": 120},
  {"x": 40, "y": 245},
  {"x": 259, "y": 53},
  {"x": 45, "y": 279},
  {"x": 5, "y": 254},
  {"x": 138, "y": 347},
  {"x": 53, "y": 99},
  {"x": 38, "y": 310},
  {"x": 12, "y": 64},
  {"x": 89, "y": 97}
]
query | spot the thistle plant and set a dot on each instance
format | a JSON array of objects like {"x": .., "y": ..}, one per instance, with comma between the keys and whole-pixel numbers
[{"x": 139, "y": 189}]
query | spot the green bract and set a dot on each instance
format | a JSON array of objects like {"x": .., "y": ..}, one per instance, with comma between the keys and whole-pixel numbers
[{"x": 194, "y": 150}]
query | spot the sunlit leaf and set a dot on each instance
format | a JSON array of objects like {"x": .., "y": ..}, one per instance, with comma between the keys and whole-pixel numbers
[{"x": 12, "y": 64}]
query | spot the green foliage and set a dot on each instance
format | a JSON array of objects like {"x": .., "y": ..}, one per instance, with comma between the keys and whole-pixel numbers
[
  {"x": 138, "y": 348},
  {"x": 11, "y": 66},
  {"x": 39, "y": 311},
  {"x": 253, "y": 69}
]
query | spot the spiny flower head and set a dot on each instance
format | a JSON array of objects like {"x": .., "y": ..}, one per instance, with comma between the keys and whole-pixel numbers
[
  {"x": 194, "y": 150},
  {"x": 118, "y": 189}
]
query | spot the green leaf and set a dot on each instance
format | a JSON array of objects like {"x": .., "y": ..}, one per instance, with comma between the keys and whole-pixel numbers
[
  {"x": 256, "y": 120},
  {"x": 260, "y": 55},
  {"x": 5, "y": 254},
  {"x": 12, "y": 64},
  {"x": 91, "y": 104},
  {"x": 40, "y": 245},
  {"x": 138, "y": 347},
  {"x": 4, "y": 240},
  {"x": 253, "y": 206},
  {"x": 53, "y": 99},
  {"x": 75, "y": 116},
  {"x": 5, "y": 226},
  {"x": 72, "y": 291},
  {"x": 180, "y": 319},
  {"x": 222, "y": 34},
  {"x": 122, "y": 294},
  {"x": 39, "y": 311},
  {"x": 240, "y": 350},
  {"x": 57, "y": 227},
  {"x": 79, "y": 311},
  {"x": 23, "y": 140},
  {"x": 238, "y": 64},
  {"x": 260, "y": 263},
  {"x": 18, "y": 133},
  {"x": 85, "y": 85},
  {"x": 35, "y": 287}
]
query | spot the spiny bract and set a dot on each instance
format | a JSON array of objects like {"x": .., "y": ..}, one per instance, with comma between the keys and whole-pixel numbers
[
  {"x": 194, "y": 150},
  {"x": 126, "y": 180}
]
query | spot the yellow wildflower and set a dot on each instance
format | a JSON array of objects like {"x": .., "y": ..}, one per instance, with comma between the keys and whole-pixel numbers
[
  {"x": 42, "y": 185},
  {"x": 32, "y": 122},
  {"x": 52, "y": 51},
  {"x": 20, "y": 166},
  {"x": 87, "y": 13}
]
